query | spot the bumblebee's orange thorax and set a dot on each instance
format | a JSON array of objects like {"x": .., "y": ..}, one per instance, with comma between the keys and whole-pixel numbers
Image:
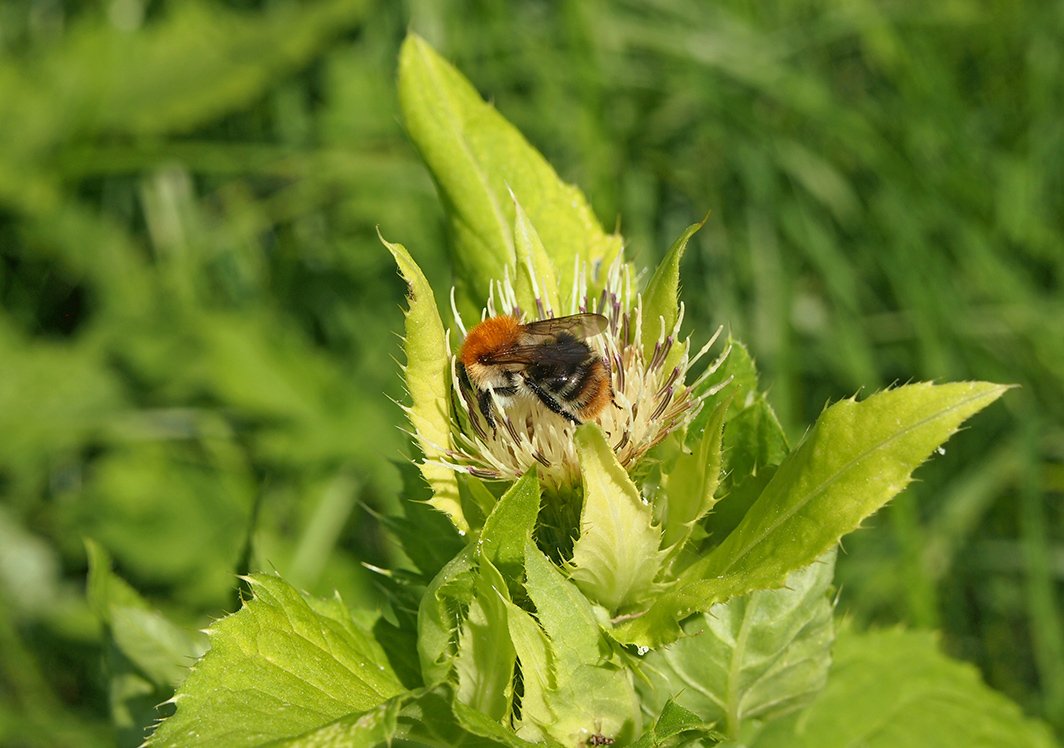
[{"x": 489, "y": 336}]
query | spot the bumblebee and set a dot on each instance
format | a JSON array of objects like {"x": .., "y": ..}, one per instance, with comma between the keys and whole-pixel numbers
[{"x": 548, "y": 359}]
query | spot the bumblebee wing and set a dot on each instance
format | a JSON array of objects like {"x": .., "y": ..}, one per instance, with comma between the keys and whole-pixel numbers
[
  {"x": 540, "y": 343},
  {"x": 561, "y": 353},
  {"x": 578, "y": 325}
]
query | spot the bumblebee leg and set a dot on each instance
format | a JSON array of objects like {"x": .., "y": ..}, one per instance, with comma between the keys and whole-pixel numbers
[
  {"x": 484, "y": 404},
  {"x": 547, "y": 399},
  {"x": 466, "y": 388}
]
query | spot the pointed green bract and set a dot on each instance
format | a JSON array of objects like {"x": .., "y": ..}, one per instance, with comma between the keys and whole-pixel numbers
[
  {"x": 479, "y": 724},
  {"x": 428, "y": 381},
  {"x": 617, "y": 556},
  {"x": 278, "y": 668},
  {"x": 754, "y": 439},
  {"x": 690, "y": 486},
  {"x": 661, "y": 300},
  {"x": 739, "y": 375},
  {"x": 739, "y": 371},
  {"x": 485, "y": 661},
  {"x": 856, "y": 458},
  {"x": 534, "y": 275},
  {"x": 438, "y": 616},
  {"x": 510, "y": 525},
  {"x": 538, "y": 676},
  {"x": 894, "y": 688},
  {"x": 565, "y": 614},
  {"x": 759, "y": 656},
  {"x": 476, "y": 157},
  {"x": 753, "y": 446},
  {"x": 591, "y": 695}
]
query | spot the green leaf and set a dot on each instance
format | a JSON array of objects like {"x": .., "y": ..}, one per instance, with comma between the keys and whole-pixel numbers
[
  {"x": 893, "y": 688},
  {"x": 565, "y": 614},
  {"x": 428, "y": 718},
  {"x": 426, "y": 536},
  {"x": 534, "y": 280},
  {"x": 675, "y": 720},
  {"x": 478, "y": 723},
  {"x": 433, "y": 717},
  {"x": 754, "y": 446},
  {"x": 538, "y": 675},
  {"x": 428, "y": 380},
  {"x": 486, "y": 656},
  {"x": 661, "y": 300},
  {"x": 147, "y": 656},
  {"x": 374, "y": 727},
  {"x": 439, "y": 614},
  {"x": 691, "y": 484},
  {"x": 591, "y": 695},
  {"x": 105, "y": 589},
  {"x": 856, "y": 458},
  {"x": 738, "y": 374},
  {"x": 758, "y": 656},
  {"x": 510, "y": 525},
  {"x": 477, "y": 158},
  {"x": 753, "y": 440},
  {"x": 616, "y": 557},
  {"x": 281, "y": 666}
]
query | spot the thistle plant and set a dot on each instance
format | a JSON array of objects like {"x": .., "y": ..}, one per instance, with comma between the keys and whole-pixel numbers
[
  {"x": 650, "y": 397},
  {"x": 660, "y": 574}
]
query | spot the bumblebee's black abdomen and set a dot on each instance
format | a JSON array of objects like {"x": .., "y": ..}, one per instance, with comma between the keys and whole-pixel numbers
[{"x": 562, "y": 365}]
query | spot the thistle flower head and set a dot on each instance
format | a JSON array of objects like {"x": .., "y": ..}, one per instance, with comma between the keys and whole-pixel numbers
[{"x": 650, "y": 393}]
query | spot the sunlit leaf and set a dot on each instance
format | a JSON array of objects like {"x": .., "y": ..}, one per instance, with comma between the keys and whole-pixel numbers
[
  {"x": 891, "y": 688},
  {"x": 616, "y": 557},
  {"x": 484, "y": 663},
  {"x": 438, "y": 616},
  {"x": 758, "y": 656},
  {"x": 477, "y": 158},
  {"x": 281, "y": 666},
  {"x": 590, "y": 696},
  {"x": 538, "y": 676},
  {"x": 428, "y": 380},
  {"x": 690, "y": 486},
  {"x": 534, "y": 277},
  {"x": 510, "y": 525},
  {"x": 374, "y": 727},
  {"x": 857, "y": 457},
  {"x": 661, "y": 300}
]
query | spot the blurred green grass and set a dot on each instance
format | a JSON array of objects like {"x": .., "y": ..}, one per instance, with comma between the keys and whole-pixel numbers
[{"x": 196, "y": 348}]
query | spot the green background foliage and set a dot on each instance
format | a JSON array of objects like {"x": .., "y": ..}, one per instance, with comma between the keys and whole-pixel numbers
[{"x": 196, "y": 349}]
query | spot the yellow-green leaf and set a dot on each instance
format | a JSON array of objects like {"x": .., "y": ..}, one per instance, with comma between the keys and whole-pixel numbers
[
  {"x": 661, "y": 302},
  {"x": 282, "y": 666},
  {"x": 617, "y": 555},
  {"x": 477, "y": 158},
  {"x": 534, "y": 280},
  {"x": 857, "y": 457},
  {"x": 428, "y": 381}
]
